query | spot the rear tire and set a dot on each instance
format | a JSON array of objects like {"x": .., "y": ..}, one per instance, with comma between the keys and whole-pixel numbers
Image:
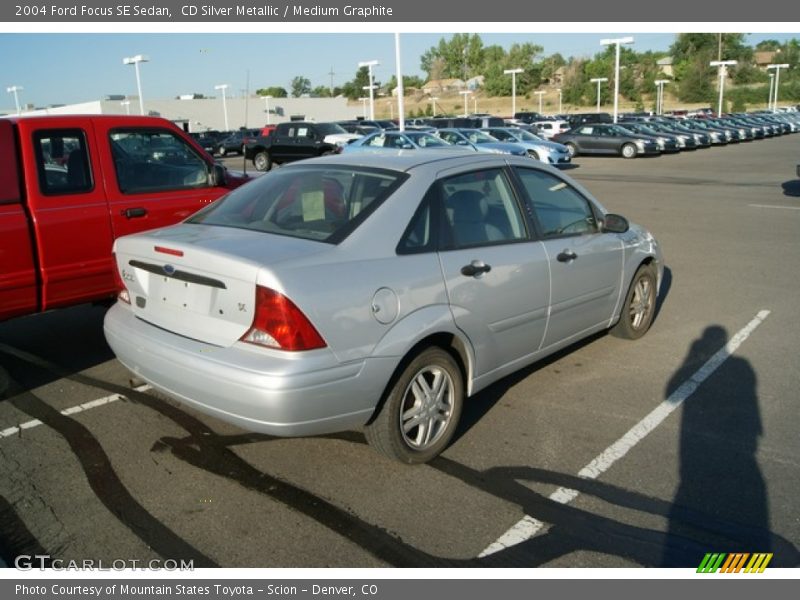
[
  {"x": 421, "y": 409},
  {"x": 639, "y": 307},
  {"x": 261, "y": 161},
  {"x": 628, "y": 151}
]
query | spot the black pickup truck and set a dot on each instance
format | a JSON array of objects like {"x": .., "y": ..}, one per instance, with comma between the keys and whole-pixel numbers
[{"x": 296, "y": 140}]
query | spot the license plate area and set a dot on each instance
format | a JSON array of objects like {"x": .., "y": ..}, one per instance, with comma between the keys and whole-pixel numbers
[{"x": 181, "y": 295}]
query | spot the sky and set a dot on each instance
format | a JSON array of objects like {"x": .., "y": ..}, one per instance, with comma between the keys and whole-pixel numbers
[{"x": 55, "y": 68}]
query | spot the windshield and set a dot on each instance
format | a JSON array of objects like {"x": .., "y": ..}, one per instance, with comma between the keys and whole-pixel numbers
[
  {"x": 525, "y": 136},
  {"x": 315, "y": 202},
  {"x": 330, "y": 128},
  {"x": 425, "y": 140},
  {"x": 478, "y": 137}
]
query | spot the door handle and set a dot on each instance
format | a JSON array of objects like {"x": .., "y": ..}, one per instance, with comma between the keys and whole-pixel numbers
[
  {"x": 566, "y": 256},
  {"x": 475, "y": 268},
  {"x": 134, "y": 213}
]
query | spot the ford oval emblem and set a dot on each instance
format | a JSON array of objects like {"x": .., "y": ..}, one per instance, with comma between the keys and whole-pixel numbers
[{"x": 169, "y": 269}]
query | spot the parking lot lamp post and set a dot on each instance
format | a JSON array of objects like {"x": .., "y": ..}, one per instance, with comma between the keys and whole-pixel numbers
[
  {"x": 540, "y": 94},
  {"x": 598, "y": 81},
  {"x": 465, "y": 93},
  {"x": 618, "y": 42},
  {"x": 433, "y": 102},
  {"x": 127, "y": 105},
  {"x": 135, "y": 60},
  {"x": 777, "y": 83},
  {"x": 559, "y": 100},
  {"x": 369, "y": 64},
  {"x": 722, "y": 66},
  {"x": 364, "y": 105},
  {"x": 660, "y": 83},
  {"x": 513, "y": 73},
  {"x": 266, "y": 106},
  {"x": 771, "y": 82},
  {"x": 223, "y": 87},
  {"x": 15, "y": 89}
]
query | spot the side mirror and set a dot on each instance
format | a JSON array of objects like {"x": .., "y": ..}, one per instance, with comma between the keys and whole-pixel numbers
[
  {"x": 217, "y": 175},
  {"x": 615, "y": 223}
]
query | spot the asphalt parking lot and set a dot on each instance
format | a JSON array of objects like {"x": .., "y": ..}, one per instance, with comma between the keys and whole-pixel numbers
[{"x": 610, "y": 454}]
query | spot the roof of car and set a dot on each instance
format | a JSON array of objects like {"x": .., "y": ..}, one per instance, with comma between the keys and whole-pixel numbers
[{"x": 397, "y": 161}]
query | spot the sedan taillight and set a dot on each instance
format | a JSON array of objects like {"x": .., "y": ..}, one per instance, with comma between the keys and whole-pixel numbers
[
  {"x": 119, "y": 285},
  {"x": 278, "y": 323}
]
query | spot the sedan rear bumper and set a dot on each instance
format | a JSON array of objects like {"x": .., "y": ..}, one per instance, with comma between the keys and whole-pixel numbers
[{"x": 260, "y": 390}]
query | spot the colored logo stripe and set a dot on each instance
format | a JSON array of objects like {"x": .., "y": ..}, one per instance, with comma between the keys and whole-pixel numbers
[{"x": 734, "y": 563}]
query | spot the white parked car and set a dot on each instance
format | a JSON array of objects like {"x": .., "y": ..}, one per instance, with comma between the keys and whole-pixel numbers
[{"x": 547, "y": 129}]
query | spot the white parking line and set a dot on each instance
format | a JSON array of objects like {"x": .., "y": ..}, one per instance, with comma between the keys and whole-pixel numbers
[
  {"x": 774, "y": 206},
  {"x": 11, "y": 431},
  {"x": 528, "y": 527}
]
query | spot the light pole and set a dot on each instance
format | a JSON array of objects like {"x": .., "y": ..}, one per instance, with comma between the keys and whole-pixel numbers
[
  {"x": 660, "y": 96},
  {"x": 777, "y": 83},
  {"x": 127, "y": 105},
  {"x": 15, "y": 89},
  {"x": 598, "y": 81},
  {"x": 513, "y": 73},
  {"x": 369, "y": 64},
  {"x": 475, "y": 104},
  {"x": 771, "y": 82},
  {"x": 266, "y": 105},
  {"x": 433, "y": 102},
  {"x": 559, "y": 100},
  {"x": 135, "y": 60},
  {"x": 618, "y": 42},
  {"x": 364, "y": 105},
  {"x": 722, "y": 66},
  {"x": 540, "y": 94},
  {"x": 465, "y": 93},
  {"x": 223, "y": 87}
]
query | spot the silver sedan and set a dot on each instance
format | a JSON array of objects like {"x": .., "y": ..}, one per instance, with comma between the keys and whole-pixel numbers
[{"x": 376, "y": 292}]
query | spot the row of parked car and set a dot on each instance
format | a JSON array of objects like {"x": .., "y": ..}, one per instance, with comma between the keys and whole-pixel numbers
[{"x": 638, "y": 135}]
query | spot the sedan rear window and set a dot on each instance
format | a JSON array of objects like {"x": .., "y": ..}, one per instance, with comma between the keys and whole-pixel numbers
[{"x": 316, "y": 203}]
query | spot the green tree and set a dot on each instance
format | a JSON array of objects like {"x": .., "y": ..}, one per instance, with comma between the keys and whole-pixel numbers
[
  {"x": 275, "y": 92},
  {"x": 458, "y": 58},
  {"x": 321, "y": 91},
  {"x": 355, "y": 89},
  {"x": 300, "y": 85}
]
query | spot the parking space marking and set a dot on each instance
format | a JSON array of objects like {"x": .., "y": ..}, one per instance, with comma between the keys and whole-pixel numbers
[
  {"x": 528, "y": 526},
  {"x": 11, "y": 431},
  {"x": 774, "y": 206}
]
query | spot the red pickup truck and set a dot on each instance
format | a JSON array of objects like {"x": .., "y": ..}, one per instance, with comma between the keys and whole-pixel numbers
[{"x": 70, "y": 185}]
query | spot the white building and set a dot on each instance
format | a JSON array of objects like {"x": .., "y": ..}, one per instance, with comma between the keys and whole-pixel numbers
[{"x": 207, "y": 113}]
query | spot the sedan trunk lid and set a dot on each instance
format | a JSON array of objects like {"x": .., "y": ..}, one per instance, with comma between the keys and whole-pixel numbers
[{"x": 199, "y": 281}]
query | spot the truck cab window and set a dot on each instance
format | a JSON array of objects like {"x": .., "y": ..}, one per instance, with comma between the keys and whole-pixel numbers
[
  {"x": 154, "y": 161},
  {"x": 62, "y": 162}
]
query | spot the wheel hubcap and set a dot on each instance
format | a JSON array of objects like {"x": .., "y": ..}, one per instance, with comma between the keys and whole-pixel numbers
[
  {"x": 427, "y": 407},
  {"x": 641, "y": 303}
]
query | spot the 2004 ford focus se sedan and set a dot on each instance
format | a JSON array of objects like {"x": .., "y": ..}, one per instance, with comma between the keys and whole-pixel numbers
[{"x": 376, "y": 291}]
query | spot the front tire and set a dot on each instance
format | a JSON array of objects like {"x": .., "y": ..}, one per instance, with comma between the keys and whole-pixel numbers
[
  {"x": 572, "y": 149},
  {"x": 421, "y": 409},
  {"x": 628, "y": 151},
  {"x": 532, "y": 154},
  {"x": 222, "y": 151},
  {"x": 640, "y": 305}
]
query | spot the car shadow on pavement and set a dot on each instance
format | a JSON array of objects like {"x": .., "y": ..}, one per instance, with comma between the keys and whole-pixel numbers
[
  {"x": 791, "y": 188},
  {"x": 38, "y": 349}
]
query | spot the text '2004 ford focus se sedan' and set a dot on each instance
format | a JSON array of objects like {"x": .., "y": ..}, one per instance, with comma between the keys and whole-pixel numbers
[{"x": 375, "y": 291}]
